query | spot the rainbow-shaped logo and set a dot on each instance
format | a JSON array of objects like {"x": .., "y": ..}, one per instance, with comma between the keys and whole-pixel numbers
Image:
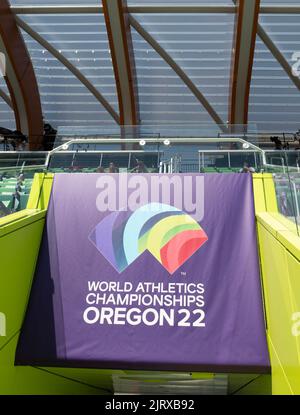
[{"x": 171, "y": 235}]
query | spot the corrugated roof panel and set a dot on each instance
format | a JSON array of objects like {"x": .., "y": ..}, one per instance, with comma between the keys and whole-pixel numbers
[
  {"x": 280, "y": 2},
  {"x": 53, "y": 2},
  {"x": 201, "y": 46},
  {"x": 178, "y": 2},
  {"x": 163, "y": 97},
  {"x": 7, "y": 117},
  {"x": 82, "y": 39},
  {"x": 65, "y": 100},
  {"x": 274, "y": 98}
]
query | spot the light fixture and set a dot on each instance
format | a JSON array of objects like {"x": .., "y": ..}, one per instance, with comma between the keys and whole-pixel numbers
[
  {"x": 142, "y": 143},
  {"x": 65, "y": 147},
  {"x": 167, "y": 142},
  {"x": 246, "y": 146}
]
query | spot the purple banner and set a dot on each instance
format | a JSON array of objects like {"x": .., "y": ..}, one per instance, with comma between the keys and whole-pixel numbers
[{"x": 148, "y": 271}]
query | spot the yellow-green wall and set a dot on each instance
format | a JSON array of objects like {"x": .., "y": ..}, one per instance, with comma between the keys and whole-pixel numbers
[
  {"x": 20, "y": 236},
  {"x": 279, "y": 248}
]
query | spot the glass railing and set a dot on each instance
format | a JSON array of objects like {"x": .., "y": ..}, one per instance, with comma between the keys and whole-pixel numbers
[
  {"x": 22, "y": 159},
  {"x": 191, "y": 148},
  {"x": 282, "y": 161},
  {"x": 157, "y": 131},
  {"x": 104, "y": 161},
  {"x": 14, "y": 142},
  {"x": 15, "y": 187},
  {"x": 287, "y": 187},
  {"x": 165, "y": 155},
  {"x": 230, "y": 161},
  {"x": 223, "y": 154}
]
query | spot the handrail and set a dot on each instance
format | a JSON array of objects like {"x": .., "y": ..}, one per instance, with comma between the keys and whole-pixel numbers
[
  {"x": 247, "y": 147},
  {"x": 276, "y": 166},
  {"x": 64, "y": 147},
  {"x": 23, "y": 168}
]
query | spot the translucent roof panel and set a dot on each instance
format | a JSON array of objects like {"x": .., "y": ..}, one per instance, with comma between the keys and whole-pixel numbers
[
  {"x": 29, "y": 3},
  {"x": 163, "y": 97},
  {"x": 280, "y": 2},
  {"x": 82, "y": 39},
  {"x": 284, "y": 30},
  {"x": 7, "y": 117},
  {"x": 274, "y": 98},
  {"x": 65, "y": 100},
  {"x": 179, "y": 2},
  {"x": 201, "y": 46}
]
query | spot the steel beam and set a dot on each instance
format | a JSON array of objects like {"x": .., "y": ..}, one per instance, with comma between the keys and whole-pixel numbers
[
  {"x": 120, "y": 42},
  {"x": 20, "y": 78},
  {"x": 242, "y": 62}
]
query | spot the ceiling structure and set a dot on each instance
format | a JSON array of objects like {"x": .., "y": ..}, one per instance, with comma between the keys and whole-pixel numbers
[
  {"x": 153, "y": 62},
  {"x": 23, "y": 97}
]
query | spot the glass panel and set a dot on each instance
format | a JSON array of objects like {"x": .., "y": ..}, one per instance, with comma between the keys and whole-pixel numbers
[
  {"x": 162, "y": 154},
  {"x": 274, "y": 98},
  {"x": 280, "y": 2},
  {"x": 201, "y": 45},
  {"x": 7, "y": 117},
  {"x": 108, "y": 162},
  {"x": 130, "y": 2},
  {"x": 15, "y": 187},
  {"x": 282, "y": 161},
  {"x": 53, "y": 2},
  {"x": 7, "y": 120},
  {"x": 232, "y": 161},
  {"x": 179, "y": 2},
  {"x": 22, "y": 159},
  {"x": 288, "y": 197},
  {"x": 82, "y": 39},
  {"x": 247, "y": 132},
  {"x": 17, "y": 170}
]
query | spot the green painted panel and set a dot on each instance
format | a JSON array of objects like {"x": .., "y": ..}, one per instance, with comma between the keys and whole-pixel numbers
[
  {"x": 270, "y": 193},
  {"x": 280, "y": 272},
  {"x": 259, "y": 193},
  {"x": 264, "y": 193},
  {"x": 100, "y": 378},
  {"x": 242, "y": 384},
  {"x": 35, "y": 191},
  {"x": 40, "y": 191},
  {"x": 29, "y": 380},
  {"x": 20, "y": 240},
  {"x": 280, "y": 382},
  {"x": 19, "y": 250}
]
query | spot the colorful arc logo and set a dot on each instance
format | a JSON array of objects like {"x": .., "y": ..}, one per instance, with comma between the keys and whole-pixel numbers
[{"x": 169, "y": 234}]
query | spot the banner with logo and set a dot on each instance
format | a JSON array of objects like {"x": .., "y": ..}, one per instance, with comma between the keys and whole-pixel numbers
[{"x": 148, "y": 271}]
